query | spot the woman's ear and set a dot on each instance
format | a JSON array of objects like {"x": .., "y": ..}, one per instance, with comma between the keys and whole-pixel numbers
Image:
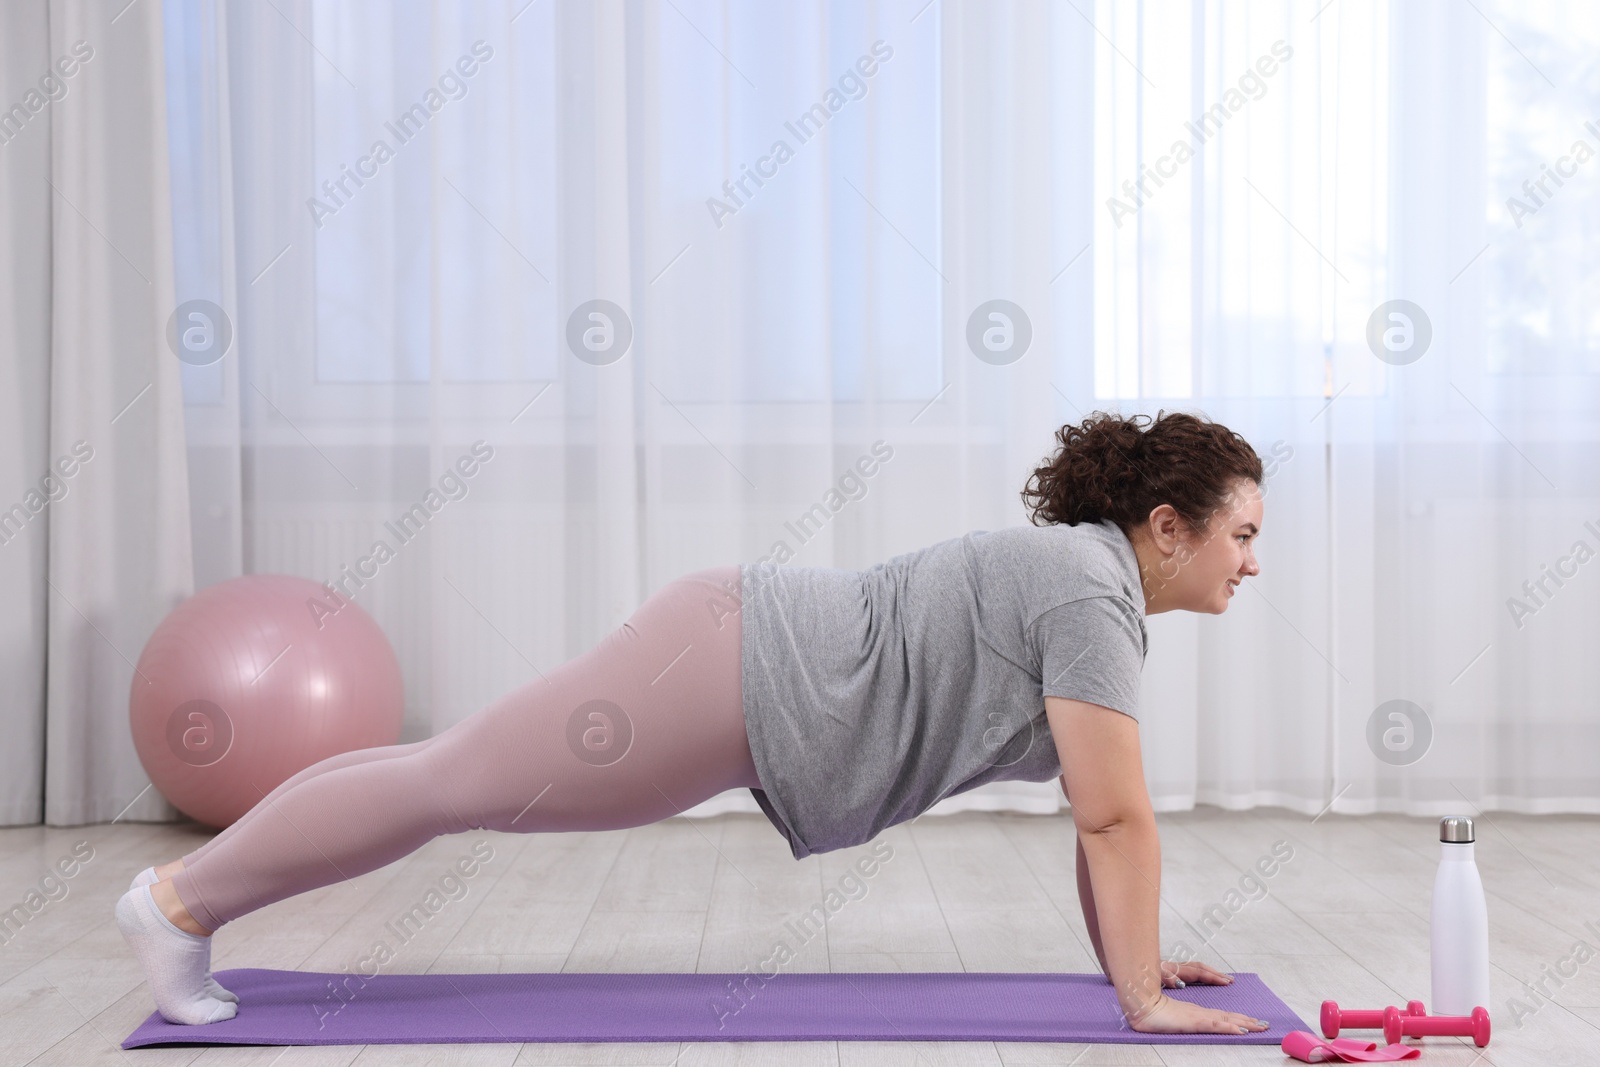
[{"x": 1165, "y": 529}]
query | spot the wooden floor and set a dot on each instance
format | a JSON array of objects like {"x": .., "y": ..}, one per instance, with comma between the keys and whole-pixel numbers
[{"x": 1346, "y": 918}]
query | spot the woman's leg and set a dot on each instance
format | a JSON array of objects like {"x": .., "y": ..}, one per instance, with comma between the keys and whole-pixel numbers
[
  {"x": 332, "y": 763},
  {"x": 644, "y": 725},
  {"x": 166, "y": 899}
]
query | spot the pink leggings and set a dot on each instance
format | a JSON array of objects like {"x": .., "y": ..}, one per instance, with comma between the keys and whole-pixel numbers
[{"x": 647, "y": 723}]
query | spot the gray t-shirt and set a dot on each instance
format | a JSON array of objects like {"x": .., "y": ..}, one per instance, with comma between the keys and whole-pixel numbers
[{"x": 871, "y": 695}]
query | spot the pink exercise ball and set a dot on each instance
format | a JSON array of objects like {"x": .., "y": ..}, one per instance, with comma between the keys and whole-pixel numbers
[{"x": 252, "y": 680}]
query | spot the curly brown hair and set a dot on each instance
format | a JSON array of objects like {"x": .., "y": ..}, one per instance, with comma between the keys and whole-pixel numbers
[{"x": 1108, "y": 467}]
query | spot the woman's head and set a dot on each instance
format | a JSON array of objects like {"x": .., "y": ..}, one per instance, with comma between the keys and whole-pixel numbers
[{"x": 1186, "y": 492}]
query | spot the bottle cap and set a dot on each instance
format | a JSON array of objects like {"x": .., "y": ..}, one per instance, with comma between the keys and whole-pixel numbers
[{"x": 1456, "y": 829}]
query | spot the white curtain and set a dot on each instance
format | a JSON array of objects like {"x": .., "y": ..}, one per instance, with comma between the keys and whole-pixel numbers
[
  {"x": 1369, "y": 153},
  {"x": 789, "y": 305},
  {"x": 94, "y": 532}
]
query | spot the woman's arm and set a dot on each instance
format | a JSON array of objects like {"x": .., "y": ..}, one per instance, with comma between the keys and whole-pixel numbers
[
  {"x": 1103, "y": 774},
  {"x": 1125, "y": 865},
  {"x": 1086, "y": 899}
]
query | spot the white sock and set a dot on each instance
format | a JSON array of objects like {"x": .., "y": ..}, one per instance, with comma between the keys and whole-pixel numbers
[
  {"x": 148, "y": 876},
  {"x": 174, "y": 961}
]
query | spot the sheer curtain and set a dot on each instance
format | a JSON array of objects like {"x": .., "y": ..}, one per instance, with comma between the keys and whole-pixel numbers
[
  {"x": 1340, "y": 273},
  {"x": 677, "y": 266},
  {"x": 94, "y": 522}
]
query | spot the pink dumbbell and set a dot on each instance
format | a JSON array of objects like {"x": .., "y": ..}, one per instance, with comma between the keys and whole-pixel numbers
[
  {"x": 1333, "y": 1019},
  {"x": 1475, "y": 1026}
]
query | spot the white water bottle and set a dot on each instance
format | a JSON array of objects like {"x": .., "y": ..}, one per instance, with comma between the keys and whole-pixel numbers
[{"x": 1460, "y": 924}]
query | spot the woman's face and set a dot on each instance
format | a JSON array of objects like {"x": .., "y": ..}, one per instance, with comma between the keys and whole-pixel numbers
[{"x": 1199, "y": 571}]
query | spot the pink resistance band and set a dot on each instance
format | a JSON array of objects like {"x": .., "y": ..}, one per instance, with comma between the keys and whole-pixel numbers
[{"x": 1309, "y": 1048}]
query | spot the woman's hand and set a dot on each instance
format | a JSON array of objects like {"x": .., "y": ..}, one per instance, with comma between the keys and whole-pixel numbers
[
  {"x": 1171, "y": 1016},
  {"x": 1177, "y": 975}
]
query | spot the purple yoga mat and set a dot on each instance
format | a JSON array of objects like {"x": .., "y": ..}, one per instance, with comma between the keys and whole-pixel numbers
[{"x": 300, "y": 1008}]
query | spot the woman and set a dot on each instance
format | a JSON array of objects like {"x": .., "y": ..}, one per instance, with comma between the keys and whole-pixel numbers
[{"x": 846, "y": 701}]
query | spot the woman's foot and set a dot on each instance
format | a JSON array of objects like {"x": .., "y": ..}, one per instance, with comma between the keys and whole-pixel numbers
[
  {"x": 153, "y": 875},
  {"x": 175, "y": 961}
]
